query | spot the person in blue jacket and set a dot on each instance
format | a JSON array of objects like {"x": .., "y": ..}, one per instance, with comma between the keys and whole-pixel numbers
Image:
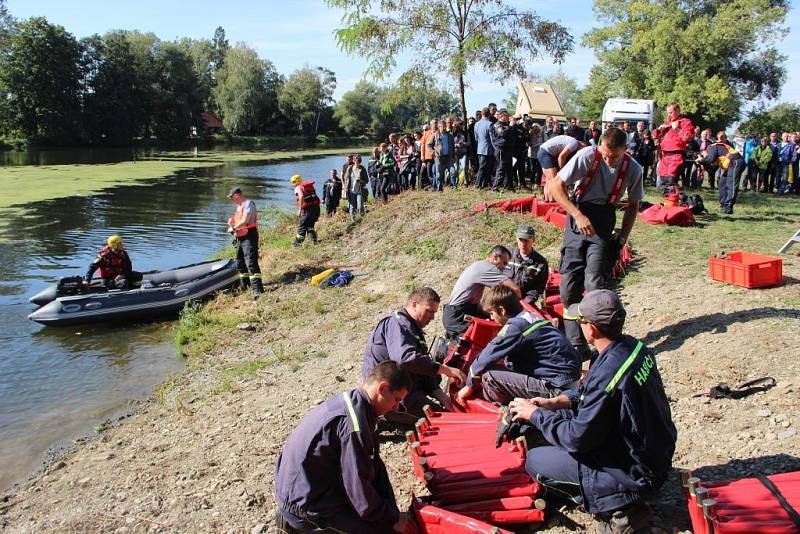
[
  {"x": 330, "y": 475},
  {"x": 399, "y": 336},
  {"x": 537, "y": 358},
  {"x": 610, "y": 443}
]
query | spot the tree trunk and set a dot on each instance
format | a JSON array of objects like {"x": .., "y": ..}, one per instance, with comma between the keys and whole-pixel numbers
[{"x": 463, "y": 99}]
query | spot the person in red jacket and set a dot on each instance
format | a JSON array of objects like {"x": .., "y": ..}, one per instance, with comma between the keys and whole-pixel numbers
[
  {"x": 674, "y": 135},
  {"x": 115, "y": 266}
]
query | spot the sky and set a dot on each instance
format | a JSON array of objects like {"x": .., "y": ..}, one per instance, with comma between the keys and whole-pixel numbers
[{"x": 292, "y": 33}]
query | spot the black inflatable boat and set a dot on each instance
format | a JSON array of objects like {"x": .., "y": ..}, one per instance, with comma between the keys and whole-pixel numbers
[{"x": 161, "y": 293}]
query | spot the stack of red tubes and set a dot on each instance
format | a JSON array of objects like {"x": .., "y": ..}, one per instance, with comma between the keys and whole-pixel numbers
[
  {"x": 744, "y": 506},
  {"x": 454, "y": 455}
]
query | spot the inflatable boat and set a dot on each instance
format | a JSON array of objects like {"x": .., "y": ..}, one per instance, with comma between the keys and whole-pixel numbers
[{"x": 161, "y": 293}]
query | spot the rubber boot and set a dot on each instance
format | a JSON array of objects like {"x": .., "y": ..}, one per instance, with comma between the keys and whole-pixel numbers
[
  {"x": 258, "y": 287},
  {"x": 313, "y": 235}
]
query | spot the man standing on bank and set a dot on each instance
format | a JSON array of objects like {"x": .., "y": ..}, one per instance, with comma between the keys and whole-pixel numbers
[
  {"x": 244, "y": 225},
  {"x": 673, "y": 137},
  {"x": 591, "y": 246},
  {"x": 330, "y": 476}
]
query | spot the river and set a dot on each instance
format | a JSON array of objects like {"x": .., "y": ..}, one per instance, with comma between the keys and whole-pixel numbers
[{"x": 57, "y": 383}]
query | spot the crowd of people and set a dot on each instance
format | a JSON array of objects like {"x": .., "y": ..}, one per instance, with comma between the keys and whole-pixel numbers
[{"x": 495, "y": 150}]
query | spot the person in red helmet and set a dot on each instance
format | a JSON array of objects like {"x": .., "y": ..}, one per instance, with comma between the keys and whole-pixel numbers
[{"x": 674, "y": 136}]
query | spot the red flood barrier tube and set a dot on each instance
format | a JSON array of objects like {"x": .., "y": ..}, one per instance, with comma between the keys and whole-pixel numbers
[
  {"x": 470, "y": 473},
  {"x": 487, "y": 483},
  {"x": 446, "y": 461},
  {"x": 504, "y": 503},
  {"x": 434, "y": 520},
  {"x": 470, "y": 494},
  {"x": 510, "y": 517}
]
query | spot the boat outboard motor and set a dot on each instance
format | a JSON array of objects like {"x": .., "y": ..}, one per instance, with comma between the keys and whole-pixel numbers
[{"x": 70, "y": 285}]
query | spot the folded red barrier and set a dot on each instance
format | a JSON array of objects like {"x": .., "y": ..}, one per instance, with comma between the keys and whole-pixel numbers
[
  {"x": 518, "y": 204},
  {"x": 744, "y": 505},
  {"x": 435, "y": 520},
  {"x": 453, "y": 458},
  {"x": 539, "y": 209},
  {"x": 669, "y": 215},
  {"x": 556, "y": 218},
  {"x": 482, "y": 449}
]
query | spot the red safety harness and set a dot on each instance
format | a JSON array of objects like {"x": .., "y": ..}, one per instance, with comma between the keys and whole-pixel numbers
[
  {"x": 613, "y": 198},
  {"x": 243, "y": 230},
  {"x": 113, "y": 263},
  {"x": 308, "y": 195}
]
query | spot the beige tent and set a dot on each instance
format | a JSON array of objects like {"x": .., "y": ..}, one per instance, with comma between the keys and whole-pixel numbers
[{"x": 539, "y": 101}]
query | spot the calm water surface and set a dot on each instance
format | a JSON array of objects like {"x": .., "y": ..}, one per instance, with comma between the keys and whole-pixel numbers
[{"x": 57, "y": 383}]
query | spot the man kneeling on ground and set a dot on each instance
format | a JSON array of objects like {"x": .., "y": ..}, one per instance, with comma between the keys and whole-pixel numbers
[
  {"x": 611, "y": 442},
  {"x": 400, "y": 337},
  {"x": 330, "y": 474},
  {"x": 538, "y": 360},
  {"x": 466, "y": 296}
]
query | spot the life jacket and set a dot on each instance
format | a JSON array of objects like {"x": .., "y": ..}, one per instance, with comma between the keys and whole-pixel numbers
[
  {"x": 725, "y": 160},
  {"x": 613, "y": 198},
  {"x": 243, "y": 230},
  {"x": 114, "y": 263},
  {"x": 308, "y": 195}
]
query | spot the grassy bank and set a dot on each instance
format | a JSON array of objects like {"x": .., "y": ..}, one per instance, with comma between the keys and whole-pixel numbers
[
  {"x": 25, "y": 184},
  {"x": 405, "y": 244}
]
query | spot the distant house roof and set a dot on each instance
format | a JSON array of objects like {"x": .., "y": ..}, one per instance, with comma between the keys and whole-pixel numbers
[{"x": 211, "y": 120}]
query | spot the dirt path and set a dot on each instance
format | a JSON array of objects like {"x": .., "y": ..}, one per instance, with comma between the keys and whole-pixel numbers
[{"x": 200, "y": 455}]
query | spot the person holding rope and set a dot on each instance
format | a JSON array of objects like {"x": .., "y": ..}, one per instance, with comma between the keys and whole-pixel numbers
[{"x": 591, "y": 246}]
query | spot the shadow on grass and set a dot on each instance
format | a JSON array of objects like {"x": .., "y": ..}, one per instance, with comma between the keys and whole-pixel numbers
[{"x": 673, "y": 336}]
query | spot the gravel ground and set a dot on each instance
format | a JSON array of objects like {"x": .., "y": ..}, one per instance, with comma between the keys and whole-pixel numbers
[{"x": 200, "y": 455}]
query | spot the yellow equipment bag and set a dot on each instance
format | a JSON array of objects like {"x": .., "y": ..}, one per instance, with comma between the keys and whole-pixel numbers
[{"x": 317, "y": 279}]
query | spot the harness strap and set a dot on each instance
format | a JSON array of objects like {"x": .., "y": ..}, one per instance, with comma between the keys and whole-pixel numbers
[
  {"x": 351, "y": 411},
  {"x": 623, "y": 368},
  {"x": 616, "y": 190},
  {"x": 790, "y": 511}
]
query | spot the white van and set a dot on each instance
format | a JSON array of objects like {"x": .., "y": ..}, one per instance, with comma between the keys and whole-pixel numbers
[{"x": 618, "y": 110}]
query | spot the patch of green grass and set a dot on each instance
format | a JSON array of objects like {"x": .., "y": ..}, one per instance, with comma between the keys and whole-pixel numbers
[
  {"x": 319, "y": 307},
  {"x": 370, "y": 297},
  {"x": 431, "y": 249},
  {"x": 199, "y": 330}
]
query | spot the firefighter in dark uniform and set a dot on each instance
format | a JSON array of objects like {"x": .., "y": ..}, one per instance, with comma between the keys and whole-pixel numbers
[
  {"x": 400, "y": 337},
  {"x": 722, "y": 155},
  {"x": 115, "y": 266},
  {"x": 591, "y": 246},
  {"x": 502, "y": 136},
  {"x": 330, "y": 476},
  {"x": 307, "y": 209},
  {"x": 610, "y": 442},
  {"x": 244, "y": 225},
  {"x": 527, "y": 268}
]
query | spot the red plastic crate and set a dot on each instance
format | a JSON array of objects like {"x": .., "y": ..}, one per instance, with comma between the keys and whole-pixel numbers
[{"x": 746, "y": 269}]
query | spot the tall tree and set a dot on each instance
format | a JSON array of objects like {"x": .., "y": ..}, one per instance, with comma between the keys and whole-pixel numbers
[
  {"x": 246, "y": 90},
  {"x": 204, "y": 64},
  {"x": 111, "y": 100},
  {"x": 41, "y": 76},
  {"x": 177, "y": 105},
  {"x": 305, "y": 95},
  {"x": 355, "y": 109},
  {"x": 780, "y": 118},
  {"x": 448, "y": 38},
  {"x": 221, "y": 46},
  {"x": 6, "y": 25},
  {"x": 712, "y": 56}
]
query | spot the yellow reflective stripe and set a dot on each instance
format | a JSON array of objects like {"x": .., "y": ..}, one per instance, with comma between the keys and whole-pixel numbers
[
  {"x": 570, "y": 317},
  {"x": 535, "y": 327},
  {"x": 624, "y": 367},
  {"x": 257, "y": 275},
  {"x": 244, "y": 275},
  {"x": 349, "y": 404}
]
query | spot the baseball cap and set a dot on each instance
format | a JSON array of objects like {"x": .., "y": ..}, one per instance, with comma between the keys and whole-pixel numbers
[
  {"x": 601, "y": 307},
  {"x": 525, "y": 231},
  {"x": 502, "y": 111},
  {"x": 234, "y": 191}
]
